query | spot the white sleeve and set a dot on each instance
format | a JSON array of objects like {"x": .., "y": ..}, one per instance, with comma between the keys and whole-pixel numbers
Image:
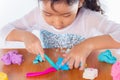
[
  {"x": 103, "y": 25},
  {"x": 111, "y": 28},
  {"x": 25, "y": 23}
]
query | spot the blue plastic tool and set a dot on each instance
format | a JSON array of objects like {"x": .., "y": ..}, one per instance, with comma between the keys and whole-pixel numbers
[
  {"x": 62, "y": 67},
  {"x": 51, "y": 62}
]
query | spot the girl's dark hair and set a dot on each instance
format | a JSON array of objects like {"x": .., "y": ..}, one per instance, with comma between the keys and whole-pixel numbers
[{"x": 93, "y": 5}]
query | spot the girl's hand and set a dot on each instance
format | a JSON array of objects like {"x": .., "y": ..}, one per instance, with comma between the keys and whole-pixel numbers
[
  {"x": 33, "y": 44},
  {"x": 77, "y": 56}
]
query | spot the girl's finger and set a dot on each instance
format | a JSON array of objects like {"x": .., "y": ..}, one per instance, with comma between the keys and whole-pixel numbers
[
  {"x": 29, "y": 49},
  {"x": 65, "y": 55},
  {"x": 41, "y": 52},
  {"x": 66, "y": 59},
  {"x": 83, "y": 62},
  {"x": 77, "y": 62},
  {"x": 71, "y": 63}
]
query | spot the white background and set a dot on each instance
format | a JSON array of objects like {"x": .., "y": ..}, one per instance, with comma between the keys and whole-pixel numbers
[{"x": 11, "y": 10}]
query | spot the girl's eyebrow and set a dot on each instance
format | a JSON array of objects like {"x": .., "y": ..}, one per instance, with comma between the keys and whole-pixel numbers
[{"x": 60, "y": 14}]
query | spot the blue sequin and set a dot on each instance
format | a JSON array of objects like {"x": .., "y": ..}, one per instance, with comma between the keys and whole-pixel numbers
[{"x": 51, "y": 40}]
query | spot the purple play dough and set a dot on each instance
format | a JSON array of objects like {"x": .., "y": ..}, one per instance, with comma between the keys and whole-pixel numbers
[
  {"x": 6, "y": 59},
  {"x": 12, "y": 57}
]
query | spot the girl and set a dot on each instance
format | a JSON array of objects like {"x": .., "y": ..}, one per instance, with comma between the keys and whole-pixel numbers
[{"x": 75, "y": 24}]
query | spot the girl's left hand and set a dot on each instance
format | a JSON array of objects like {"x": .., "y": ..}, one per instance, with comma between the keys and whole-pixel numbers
[{"x": 77, "y": 56}]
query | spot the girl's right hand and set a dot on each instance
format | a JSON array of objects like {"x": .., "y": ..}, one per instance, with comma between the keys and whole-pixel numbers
[{"x": 33, "y": 44}]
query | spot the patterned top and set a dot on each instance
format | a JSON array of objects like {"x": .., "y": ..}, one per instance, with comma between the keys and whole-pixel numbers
[{"x": 51, "y": 40}]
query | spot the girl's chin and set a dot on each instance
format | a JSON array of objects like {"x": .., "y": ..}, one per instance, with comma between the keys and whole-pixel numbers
[{"x": 59, "y": 28}]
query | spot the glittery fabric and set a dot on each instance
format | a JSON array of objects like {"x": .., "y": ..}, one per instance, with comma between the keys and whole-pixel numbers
[{"x": 51, "y": 40}]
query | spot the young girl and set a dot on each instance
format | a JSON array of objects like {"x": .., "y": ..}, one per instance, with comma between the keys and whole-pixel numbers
[{"x": 75, "y": 24}]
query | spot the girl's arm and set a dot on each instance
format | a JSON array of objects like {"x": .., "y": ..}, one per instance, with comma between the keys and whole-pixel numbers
[
  {"x": 31, "y": 42},
  {"x": 110, "y": 39},
  {"x": 20, "y": 30},
  {"x": 17, "y": 35},
  {"x": 79, "y": 53},
  {"x": 102, "y": 42}
]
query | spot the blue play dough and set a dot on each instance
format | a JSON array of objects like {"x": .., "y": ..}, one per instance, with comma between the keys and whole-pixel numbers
[
  {"x": 107, "y": 57},
  {"x": 59, "y": 64},
  {"x": 37, "y": 59}
]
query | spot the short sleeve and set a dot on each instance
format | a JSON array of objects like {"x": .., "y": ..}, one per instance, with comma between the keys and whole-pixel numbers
[
  {"x": 101, "y": 24},
  {"x": 111, "y": 28},
  {"x": 25, "y": 23}
]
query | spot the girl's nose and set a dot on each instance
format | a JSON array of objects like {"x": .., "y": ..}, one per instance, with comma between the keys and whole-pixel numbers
[{"x": 57, "y": 23}]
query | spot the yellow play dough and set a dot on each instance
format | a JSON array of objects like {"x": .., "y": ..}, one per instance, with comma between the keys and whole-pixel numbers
[{"x": 3, "y": 76}]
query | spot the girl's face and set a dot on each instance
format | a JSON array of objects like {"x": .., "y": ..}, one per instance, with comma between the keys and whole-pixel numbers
[{"x": 62, "y": 16}]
